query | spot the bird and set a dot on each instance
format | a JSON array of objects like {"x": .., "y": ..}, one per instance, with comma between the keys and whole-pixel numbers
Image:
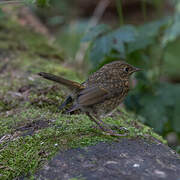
[{"x": 102, "y": 92}]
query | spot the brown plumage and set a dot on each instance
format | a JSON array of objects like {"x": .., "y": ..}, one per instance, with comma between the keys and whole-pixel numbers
[{"x": 103, "y": 91}]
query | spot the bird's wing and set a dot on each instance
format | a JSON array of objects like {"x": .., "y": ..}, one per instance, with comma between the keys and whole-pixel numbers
[{"x": 92, "y": 95}]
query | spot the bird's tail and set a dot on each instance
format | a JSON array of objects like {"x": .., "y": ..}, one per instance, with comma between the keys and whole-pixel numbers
[{"x": 68, "y": 83}]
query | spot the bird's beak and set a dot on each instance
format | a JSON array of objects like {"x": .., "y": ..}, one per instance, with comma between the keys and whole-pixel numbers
[{"x": 137, "y": 69}]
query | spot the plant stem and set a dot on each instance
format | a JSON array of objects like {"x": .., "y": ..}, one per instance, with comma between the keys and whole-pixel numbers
[
  {"x": 144, "y": 10},
  {"x": 120, "y": 12}
]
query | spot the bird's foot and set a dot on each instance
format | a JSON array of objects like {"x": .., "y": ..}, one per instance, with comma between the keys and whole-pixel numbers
[
  {"x": 118, "y": 128},
  {"x": 106, "y": 128},
  {"x": 109, "y": 131},
  {"x": 112, "y": 133}
]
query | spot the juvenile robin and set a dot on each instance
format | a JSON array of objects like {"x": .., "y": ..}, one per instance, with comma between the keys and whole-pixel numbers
[{"x": 101, "y": 93}]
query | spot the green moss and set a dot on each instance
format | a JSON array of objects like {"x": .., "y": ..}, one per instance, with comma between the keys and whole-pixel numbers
[
  {"x": 21, "y": 39},
  {"x": 31, "y": 128},
  {"x": 25, "y": 154}
]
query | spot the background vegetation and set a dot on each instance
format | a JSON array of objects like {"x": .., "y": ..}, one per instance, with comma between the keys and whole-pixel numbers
[
  {"x": 143, "y": 32},
  {"x": 72, "y": 39}
]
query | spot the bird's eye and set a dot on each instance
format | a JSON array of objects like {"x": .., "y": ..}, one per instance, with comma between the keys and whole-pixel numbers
[{"x": 126, "y": 69}]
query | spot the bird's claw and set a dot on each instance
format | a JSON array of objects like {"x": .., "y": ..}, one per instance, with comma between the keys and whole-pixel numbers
[{"x": 114, "y": 134}]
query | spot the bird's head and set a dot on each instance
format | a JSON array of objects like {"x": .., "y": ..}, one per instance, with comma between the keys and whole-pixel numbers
[
  {"x": 128, "y": 69},
  {"x": 124, "y": 69}
]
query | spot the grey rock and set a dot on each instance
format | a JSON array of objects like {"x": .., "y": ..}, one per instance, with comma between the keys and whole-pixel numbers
[{"x": 124, "y": 160}]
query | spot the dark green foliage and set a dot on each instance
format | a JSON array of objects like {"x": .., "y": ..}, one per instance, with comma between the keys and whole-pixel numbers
[
  {"x": 95, "y": 32},
  {"x": 146, "y": 35},
  {"x": 159, "y": 107},
  {"x": 105, "y": 41},
  {"x": 123, "y": 41},
  {"x": 173, "y": 31},
  {"x": 39, "y": 3},
  {"x": 2, "y": 15},
  {"x": 42, "y": 3}
]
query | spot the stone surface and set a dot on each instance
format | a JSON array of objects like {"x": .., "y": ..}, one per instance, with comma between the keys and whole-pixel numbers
[{"x": 124, "y": 160}]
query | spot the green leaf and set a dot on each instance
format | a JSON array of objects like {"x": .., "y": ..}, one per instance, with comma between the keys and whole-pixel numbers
[
  {"x": 39, "y": 3},
  {"x": 2, "y": 14},
  {"x": 42, "y": 3},
  {"x": 141, "y": 43},
  {"x": 176, "y": 115},
  {"x": 147, "y": 35},
  {"x": 152, "y": 29},
  {"x": 159, "y": 106},
  {"x": 118, "y": 46},
  {"x": 101, "y": 47},
  {"x": 115, "y": 40},
  {"x": 171, "y": 64},
  {"x": 125, "y": 34},
  {"x": 154, "y": 111},
  {"x": 28, "y": 2},
  {"x": 95, "y": 32},
  {"x": 173, "y": 31},
  {"x": 166, "y": 92}
]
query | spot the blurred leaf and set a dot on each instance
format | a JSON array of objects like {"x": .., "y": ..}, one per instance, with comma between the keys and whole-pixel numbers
[
  {"x": 123, "y": 35},
  {"x": 154, "y": 112},
  {"x": 141, "y": 43},
  {"x": 171, "y": 60},
  {"x": 147, "y": 35},
  {"x": 56, "y": 20},
  {"x": 152, "y": 29},
  {"x": 178, "y": 149},
  {"x": 101, "y": 47},
  {"x": 115, "y": 40},
  {"x": 28, "y": 2},
  {"x": 135, "y": 38},
  {"x": 177, "y": 5},
  {"x": 70, "y": 37},
  {"x": 95, "y": 32},
  {"x": 118, "y": 45},
  {"x": 176, "y": 116},
  {"x": 166, "y": 92},
  {"x": 159, "y": 106},
  {"x": 42, "y": 3},
  {"x": 173, "y": 31},
  {"x": 2, "y": 14}
]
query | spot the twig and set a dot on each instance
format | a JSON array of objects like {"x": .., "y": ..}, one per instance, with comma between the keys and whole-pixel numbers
[
  {"x": 97, "y": 14},
  {"x": 120, "y": 12}
]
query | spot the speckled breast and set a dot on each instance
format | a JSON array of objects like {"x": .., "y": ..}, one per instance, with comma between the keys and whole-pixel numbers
[{"x": 108, "y": 105}]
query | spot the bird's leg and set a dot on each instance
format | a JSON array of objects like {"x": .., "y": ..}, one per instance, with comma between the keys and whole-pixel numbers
[
  {"x": 109, "y": 126},
  {"x": 104, "y": 127},
  {"x": 67, "y": 101},
  {"x": 100, "y": 123}
]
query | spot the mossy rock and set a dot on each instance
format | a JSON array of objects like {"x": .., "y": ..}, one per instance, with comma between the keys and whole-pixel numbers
[{"x": 32, "y": 129}]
